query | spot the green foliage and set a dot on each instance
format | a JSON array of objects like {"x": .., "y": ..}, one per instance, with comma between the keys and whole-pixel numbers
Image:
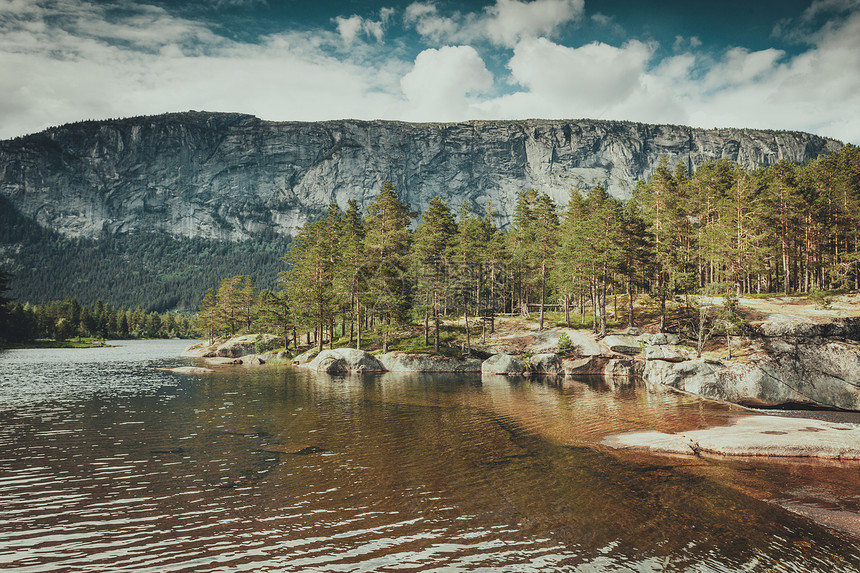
[
  {"x": 564, "y": 344},
  {"x": 156, "y": 271},
  {"x": 820, "y": 298}
]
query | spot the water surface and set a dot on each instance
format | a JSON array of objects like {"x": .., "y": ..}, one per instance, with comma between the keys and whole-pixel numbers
[{"x": 107, "y": 464}]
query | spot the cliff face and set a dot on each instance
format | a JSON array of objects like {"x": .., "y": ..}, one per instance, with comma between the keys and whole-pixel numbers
[{"x": 230, "y": 176}]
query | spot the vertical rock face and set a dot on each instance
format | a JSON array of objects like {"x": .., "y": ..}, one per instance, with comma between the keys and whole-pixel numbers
[{"x": 231, "y": 176}]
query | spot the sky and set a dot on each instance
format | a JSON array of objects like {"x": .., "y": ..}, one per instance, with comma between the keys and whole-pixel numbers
[{"x": 784, "y": 65}]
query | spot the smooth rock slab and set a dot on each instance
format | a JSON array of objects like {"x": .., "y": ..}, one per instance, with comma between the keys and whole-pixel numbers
[
  {"x": 222, "y": 361},
  {"x": 667, "y": 353},
  {"x": 187, "y": 370},
  {"x": 622, "y": 343},
  {"x": 771, "y": 436}
]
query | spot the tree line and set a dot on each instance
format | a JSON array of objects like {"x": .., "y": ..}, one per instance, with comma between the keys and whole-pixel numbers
[
  {"x": 68, "y": 320},
  {"x": 721, "y": 229}
]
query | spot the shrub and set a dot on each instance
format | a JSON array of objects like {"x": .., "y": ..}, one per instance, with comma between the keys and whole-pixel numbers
[
  {"x": 564, "y": 344},
  {"x": 819, "y": 298}
]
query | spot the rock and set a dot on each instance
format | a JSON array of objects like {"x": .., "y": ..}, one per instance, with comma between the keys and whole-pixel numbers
[
  {"x": 668, "y": 353},
  {"x": 187, "y": 370},
  {"x": 819, "y": 373},
  {"x": 587, "y": 366},
  {"x": 342, "y": 360},
  {"x": 279, "y": 356},
  {"x": 584, "y": 344},
  {"x": 632, "y": 331},
  {"x": 305, "y": 357},
  {"x": 547, "y": 364},
  {"x": 230, "y": 176},
  {"x": 658, "y": 339},
  {"x": 619, "y": 368},
  {"x": 223, "y": 361},
  {"x": 693, "y": 376},
  {"x": 503, "y": 364},
  {"x": 242, "y": 345},
  {"x": 197, "y": 350},
  {"x": 406, "y": 362},
  {"x": 622, "y": 343},
  {"x": 754, "y": 436},
  {"x": 253, "y": 360}
]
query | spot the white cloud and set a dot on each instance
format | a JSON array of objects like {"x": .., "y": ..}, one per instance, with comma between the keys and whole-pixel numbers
[
  {"x": 354, "y": 26},
  {"x": 440, "y": 83},
  {"x": 504, "y": 23},
  {"x": 67, "y": 61},
  {"x": 510, "y": 21},
  {"x": 575, "y": 82}
]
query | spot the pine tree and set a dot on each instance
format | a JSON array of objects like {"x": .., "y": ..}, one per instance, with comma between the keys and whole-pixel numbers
[
  {"x": 432, "y": 253},
  {"x": 386, "y": 245}
]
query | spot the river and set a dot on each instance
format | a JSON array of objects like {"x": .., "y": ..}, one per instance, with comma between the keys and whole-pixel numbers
[{"x": 107, "y": 464}]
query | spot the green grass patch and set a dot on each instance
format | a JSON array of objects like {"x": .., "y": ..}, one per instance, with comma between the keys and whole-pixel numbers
[{"x": 49, "y": 343}]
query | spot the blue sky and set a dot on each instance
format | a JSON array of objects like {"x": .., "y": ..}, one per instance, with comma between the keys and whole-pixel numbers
[{"x": 758, "y": 63}]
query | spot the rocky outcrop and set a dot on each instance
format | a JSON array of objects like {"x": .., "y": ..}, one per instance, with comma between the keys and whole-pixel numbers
[
  {"x": 546, "y": 364},
  {"x": 239, "y": 346},
  {"x": 234, "y": 176},
  {"x": 815, "y": 372},
  {"x": 622, "y": 343},
  {"x": 406, "y": 362},
  {"x": 503, "y": 364},
  {"x": 668, "y": 353},
  {"x": 344, "y": 360}
]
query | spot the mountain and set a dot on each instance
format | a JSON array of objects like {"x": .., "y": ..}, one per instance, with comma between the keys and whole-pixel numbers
[{"x": 235, "y": 177}]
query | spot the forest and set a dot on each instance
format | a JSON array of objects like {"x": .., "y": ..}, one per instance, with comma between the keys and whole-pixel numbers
[
  {"x": 68, "y": 320},
  {"x": 721, "y": 230},
  {"x": 157, "y": 272}
]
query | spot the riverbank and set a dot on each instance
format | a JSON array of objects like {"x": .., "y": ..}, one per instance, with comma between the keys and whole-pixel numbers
[{"x": 50, "y": 343}]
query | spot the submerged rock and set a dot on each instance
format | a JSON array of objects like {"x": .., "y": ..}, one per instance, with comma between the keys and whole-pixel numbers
[
  {"x": 223, "y": 361},
  {"x": 187, "y": 370}
]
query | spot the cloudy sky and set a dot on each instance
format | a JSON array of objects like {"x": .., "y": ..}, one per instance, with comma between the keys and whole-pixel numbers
[{"x": 782, "y": 64}]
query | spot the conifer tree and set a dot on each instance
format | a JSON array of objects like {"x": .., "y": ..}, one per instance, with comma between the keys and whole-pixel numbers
[
  {"x": 386, "y": 247},
  {"x": 432, "y": 252}
]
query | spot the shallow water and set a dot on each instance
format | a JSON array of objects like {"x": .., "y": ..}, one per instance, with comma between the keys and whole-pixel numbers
[{"x": 109, "y": 464}]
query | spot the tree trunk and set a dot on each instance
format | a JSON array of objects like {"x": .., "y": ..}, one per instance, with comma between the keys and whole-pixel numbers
[
  {"x": 630, "y": 303},
  {"x": 436, "y": 322},
  {"x": 358, "y": 319},
  {"x": 602, "y": 298},
  {"x": 427, "y": 322},
  {"x": 542, "y": 293},
  {"x": 468, "y": 336},
  {"x": 567, "y": 309}
]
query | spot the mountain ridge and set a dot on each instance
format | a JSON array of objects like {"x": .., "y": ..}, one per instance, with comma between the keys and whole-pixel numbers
[{"x": 233, "y": 176}]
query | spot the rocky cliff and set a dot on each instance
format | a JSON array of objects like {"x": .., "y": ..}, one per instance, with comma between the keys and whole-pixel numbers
[{"x": 231, "y": 176}]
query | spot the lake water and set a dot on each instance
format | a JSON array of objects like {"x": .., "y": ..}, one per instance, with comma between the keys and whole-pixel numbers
[{"x": 107, "y": 464}]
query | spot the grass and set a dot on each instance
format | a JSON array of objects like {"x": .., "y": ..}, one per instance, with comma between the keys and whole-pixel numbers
[{"x": 50, "y": 343}]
